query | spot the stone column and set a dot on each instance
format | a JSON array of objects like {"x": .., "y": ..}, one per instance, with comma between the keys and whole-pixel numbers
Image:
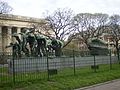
[
  {"x": 9, "y": 34},
  {"x": 19, "y": 31},
  {"x": 9, "y": 38},
  {"x": 0, "y": 38}
]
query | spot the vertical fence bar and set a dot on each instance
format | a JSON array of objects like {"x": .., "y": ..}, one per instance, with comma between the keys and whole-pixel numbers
[
  {"x": 74, "y": 61},
  {"x": 110, "y": 60},
  {"x": 94, "y": 63},
  {"x": 1, "y": 70},
  {"x": 48, "y": 67},
  {"x": 13, "y": 61}
]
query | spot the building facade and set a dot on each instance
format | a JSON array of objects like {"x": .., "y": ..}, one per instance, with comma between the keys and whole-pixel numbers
[{"x": 10, "y": 24}]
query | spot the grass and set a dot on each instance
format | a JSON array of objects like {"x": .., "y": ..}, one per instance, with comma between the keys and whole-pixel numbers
[{"x": 65, "y": 79}]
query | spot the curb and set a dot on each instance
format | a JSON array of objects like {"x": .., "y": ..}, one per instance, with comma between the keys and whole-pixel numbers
[{"x": 83, "y": 88}]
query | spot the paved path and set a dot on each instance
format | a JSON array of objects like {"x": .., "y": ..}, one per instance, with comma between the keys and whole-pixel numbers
[{"x": 110, "y": 85}]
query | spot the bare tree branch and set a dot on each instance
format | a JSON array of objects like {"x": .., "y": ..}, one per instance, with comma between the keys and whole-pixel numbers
[
  {"x": 114, "y": 24},
  {"x": 89, "y": 25},
  {"x": 5, "y": 8},
  {"x": 61, "y": 22}
]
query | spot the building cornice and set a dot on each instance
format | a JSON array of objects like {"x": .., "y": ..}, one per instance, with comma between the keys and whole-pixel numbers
[{"x": 21, "y": 18}]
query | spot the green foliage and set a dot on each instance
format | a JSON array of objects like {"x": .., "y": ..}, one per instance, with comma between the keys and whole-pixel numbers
[
  {"x": 98, "y": 47},
  {"x": 98, "y": 42},
  {"x": 72, "y": 46},
  {"x": 71, "y": 53},
  {"x": 99, "y": 51}
]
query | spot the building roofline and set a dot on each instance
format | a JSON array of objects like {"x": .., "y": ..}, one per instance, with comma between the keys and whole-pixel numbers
[{"x": 21, "y": 18}]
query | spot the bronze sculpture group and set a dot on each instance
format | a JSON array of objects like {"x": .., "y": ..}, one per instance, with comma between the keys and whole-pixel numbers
[{"x": 34, "y": 43}]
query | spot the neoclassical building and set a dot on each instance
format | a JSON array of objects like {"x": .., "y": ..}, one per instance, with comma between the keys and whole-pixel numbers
[{"x": 10, "y": 24}]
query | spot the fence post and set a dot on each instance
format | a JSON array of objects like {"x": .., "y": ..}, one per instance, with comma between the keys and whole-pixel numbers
[
  {"x": 110, "y": 60},
  {"x": 74, "y": 61},
  {"x": 94, "y": 63},
  {"x": 13, "y": 61},
  {"x": 48, "y": 67}
]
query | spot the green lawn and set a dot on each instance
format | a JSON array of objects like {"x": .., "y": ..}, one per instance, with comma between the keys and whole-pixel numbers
[{"x": 66, "y": 80}]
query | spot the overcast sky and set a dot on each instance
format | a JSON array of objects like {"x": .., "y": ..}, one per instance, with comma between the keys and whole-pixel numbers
[{"x": 36, "y": 8}]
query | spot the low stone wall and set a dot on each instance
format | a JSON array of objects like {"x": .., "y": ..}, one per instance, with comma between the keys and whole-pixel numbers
[{"x": 40, "y": 64}]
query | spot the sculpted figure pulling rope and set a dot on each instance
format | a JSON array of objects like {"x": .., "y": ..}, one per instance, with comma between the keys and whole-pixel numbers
[
  {"x": 16, "y": 45},
  {"x": 34, "y": 44}
]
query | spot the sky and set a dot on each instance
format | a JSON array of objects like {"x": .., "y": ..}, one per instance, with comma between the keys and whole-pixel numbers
[{"x": 37, "y": 8}]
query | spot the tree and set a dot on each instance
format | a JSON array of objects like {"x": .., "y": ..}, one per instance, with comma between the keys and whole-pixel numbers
[
  {"x": 61, "y": 23},
  {"x": 5, "y": 8},
  {"x": 42, "y": 27},
  {"x": 115, "y": 31},
  {"x": 90, "y": 25}
]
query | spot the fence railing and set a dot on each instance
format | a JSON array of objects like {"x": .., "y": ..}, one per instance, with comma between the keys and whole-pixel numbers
[{"x": 14, "y": 70}]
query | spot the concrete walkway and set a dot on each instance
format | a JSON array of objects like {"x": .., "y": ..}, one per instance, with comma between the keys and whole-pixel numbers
[{"x": 110, "y": 85}]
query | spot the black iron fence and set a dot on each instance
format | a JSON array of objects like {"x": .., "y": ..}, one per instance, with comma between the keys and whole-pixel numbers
[{"x": 13, "y": 70}]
